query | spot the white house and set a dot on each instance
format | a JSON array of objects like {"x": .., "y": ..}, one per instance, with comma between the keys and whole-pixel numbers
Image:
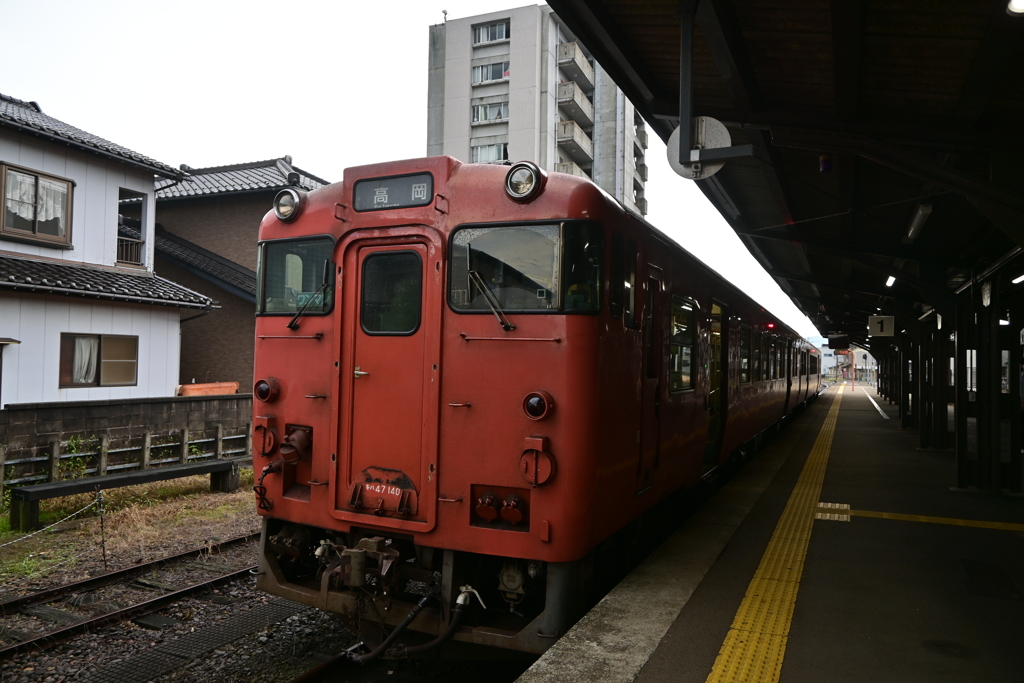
[{"x": 82, "y": 315}]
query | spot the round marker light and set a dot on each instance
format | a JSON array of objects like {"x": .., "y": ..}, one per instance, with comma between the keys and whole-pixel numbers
[
  {"x": 538, "y": 405},
  {"x": 267, "y": 390},
  {"x": 287, "y": 205},
  {"x": 524, "y": 181}
]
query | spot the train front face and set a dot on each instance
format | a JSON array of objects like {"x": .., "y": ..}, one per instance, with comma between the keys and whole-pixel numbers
[{"x": 426, "y": 362}]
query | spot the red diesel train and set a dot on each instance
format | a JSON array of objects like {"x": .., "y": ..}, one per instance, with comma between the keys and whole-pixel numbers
[{"x": 469, "y": 377}]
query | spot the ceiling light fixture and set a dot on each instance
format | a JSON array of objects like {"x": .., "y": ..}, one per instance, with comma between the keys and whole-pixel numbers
[
  {"x": 1015, "y": 7},
  {"x": 890, "y": 281},
  {"x": 1017, "y": 280},
  {"x": 921, "y": 214}
]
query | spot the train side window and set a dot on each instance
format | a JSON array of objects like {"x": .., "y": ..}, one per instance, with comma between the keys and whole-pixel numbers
[
  {"x": 617, "y": 284},
  {"x": 583, "y": 254},
  {"x": 392, "y": 293},
  {"x": 755, "y": 361},
  {"x": 744, "y": 354},
  {"x": 680, "y": 373},
  {"x": 770, "y": 364},
  {"x": 629, "y": 317}
]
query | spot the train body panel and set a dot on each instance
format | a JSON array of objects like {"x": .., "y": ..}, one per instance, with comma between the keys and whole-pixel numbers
[{"x": 451, "y": 382}]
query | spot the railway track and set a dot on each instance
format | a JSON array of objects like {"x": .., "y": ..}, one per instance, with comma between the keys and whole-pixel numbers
[{"x": 40, "y": 603}]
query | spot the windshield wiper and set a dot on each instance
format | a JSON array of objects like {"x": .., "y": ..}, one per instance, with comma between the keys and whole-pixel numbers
[
  {"x": 293, "y": 324},
  {"x": 492, "y": 301}
]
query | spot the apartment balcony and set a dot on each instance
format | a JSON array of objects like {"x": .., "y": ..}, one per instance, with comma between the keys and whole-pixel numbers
[
  {"x": 641, "y": 137},
  {"x": 574, "y": 103},
  {"x": 129, "y": 251},
  {"x": 641, "y": 204},
  {"x": 571, "y": 138},
  {"x": 641, "y": 172},
  {"x": 572, "y": 169},
  {"x": 575, "y": 66}
]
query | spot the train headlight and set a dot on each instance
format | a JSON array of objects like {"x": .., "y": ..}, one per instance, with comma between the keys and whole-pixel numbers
[
  {"x": 288, "y": 204},
  {"x": 524, "y": 181},
  {"x": 267, "y": 390},
  {"x": 538, "y": 405}
]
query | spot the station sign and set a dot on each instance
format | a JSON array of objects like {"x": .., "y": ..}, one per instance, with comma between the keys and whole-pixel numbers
[{"x": 881, "y": 325}]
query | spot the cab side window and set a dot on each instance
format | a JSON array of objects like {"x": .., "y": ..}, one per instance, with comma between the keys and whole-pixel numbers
[{"x": 681, "y": 342}]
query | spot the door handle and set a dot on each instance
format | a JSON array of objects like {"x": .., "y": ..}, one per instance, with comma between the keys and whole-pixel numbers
[{"x": 359, "y": 373}]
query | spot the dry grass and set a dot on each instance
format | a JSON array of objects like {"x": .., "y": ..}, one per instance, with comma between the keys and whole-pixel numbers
[{"x": 140, "y": 523}]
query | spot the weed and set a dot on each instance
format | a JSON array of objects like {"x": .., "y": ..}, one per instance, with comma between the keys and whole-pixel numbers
[
  {"x": 76, "y": 444},
  {"x": 195, "y": 449},
  {"x": 72, "y": 468}
]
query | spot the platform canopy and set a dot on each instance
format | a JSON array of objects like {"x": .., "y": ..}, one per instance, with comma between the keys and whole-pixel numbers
[{"x": 887, "y": 138}]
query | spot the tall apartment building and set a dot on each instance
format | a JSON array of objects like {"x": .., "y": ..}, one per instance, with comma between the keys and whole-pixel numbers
[{"x": 516, "y": 85}]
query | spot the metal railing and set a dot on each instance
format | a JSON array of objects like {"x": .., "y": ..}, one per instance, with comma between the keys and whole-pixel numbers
[{"x": 129, "y": 251}]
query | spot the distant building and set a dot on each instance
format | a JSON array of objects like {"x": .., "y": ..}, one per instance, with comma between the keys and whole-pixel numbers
[
  {"x": 83, "y": 316},
  {"x": 206, "y": 238},
  {"x": 516, "y": 85}
]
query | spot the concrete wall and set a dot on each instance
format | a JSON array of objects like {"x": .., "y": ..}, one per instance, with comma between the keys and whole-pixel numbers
[
  {"x": 28, "y": 430},
  {"x": 31, "y": 369},
  {"x": 217, "y": 347}
]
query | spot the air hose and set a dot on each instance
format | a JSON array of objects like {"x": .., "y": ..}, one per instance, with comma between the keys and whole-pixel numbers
[
  {"x": 413, "y": 613},
  {"x": 453, "y": 626}
]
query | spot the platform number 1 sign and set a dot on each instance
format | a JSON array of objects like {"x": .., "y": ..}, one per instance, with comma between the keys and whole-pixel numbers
[{"x": 881, "y": 325}]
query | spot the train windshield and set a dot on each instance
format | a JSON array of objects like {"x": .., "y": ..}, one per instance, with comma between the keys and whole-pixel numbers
[
  {"x": 527, "y": 267},
  {"x": 291, "y": 276}
]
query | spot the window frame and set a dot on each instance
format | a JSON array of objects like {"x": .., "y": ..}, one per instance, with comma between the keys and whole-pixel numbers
[
  {"x": 506, "y": 68},
  {"x": 474, "y": 108},
  {"x": 503, "y": 157},
  {"x": 362, "y": 293},
  {"x": 98, "y": 383},
  {"x": 508, "y": 29},
  {"x": 745, "y": 355},
  {"x": 694, "y": 308},
  {"x": 561, "y": 310},
  {"x": 260, "y": 276},
  {"x": 35, "y": 237}
]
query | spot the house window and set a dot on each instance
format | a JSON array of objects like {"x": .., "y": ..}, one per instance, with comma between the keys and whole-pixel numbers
[
  {"x": 490, "y": 72},
  {"x": 680, "y": 373},
  {"x": 91, "y": 360},
  {"x": 486, "y": 113},
  {"x": 36, "y": 206},
  {"x": 483, "y": 154},
  {"x": 490, "y": 32}
]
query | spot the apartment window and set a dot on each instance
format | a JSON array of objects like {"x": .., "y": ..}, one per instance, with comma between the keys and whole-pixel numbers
[
  {"x": 680, "y": 373},
  {"x": 485, "y": 113},
  {"x": 91, "y": 360},
  {"x": 490, "y": 32},
  {"x": 483, "y": 154},
  {"x": 36, "y": 206},
  {"x": 490, "y": 72}
]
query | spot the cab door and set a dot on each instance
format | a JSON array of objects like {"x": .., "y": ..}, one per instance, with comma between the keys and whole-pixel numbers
[{"x": 385, "y": 437}]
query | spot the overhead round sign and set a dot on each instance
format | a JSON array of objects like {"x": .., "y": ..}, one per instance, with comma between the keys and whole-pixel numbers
[{"x": 708, "y": 133}]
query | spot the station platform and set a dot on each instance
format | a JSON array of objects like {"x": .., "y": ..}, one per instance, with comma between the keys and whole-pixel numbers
[{"x": 839, "y": 553}]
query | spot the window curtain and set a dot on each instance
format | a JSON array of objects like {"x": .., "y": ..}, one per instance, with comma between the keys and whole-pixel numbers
[
  {"x": 86, "y": 353},
  {"x": 21, "y": 194},
  {"x": 53, "y": 198}
]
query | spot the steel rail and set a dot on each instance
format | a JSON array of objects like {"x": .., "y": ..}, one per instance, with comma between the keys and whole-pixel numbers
[
  {"x": 48, "y": 640},
  {"x": 17, "y": 604}
]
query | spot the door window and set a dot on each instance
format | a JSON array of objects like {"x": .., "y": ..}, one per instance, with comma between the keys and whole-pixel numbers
[{"x": 392, "y": 293}]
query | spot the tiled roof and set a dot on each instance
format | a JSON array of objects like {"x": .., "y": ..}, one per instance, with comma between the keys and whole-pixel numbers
[
  {"x": 271, "y": 174},
  {"x": 27, "y": 116},
  {"x": 189, "y": 254},
  {"x": 53, "y": 277}
]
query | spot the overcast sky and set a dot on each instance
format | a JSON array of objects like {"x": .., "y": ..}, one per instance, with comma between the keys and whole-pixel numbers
[{"x": 333, "y": 84}]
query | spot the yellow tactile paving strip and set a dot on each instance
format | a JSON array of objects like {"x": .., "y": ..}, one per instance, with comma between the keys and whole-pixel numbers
[{"x": 756, "y": 643}]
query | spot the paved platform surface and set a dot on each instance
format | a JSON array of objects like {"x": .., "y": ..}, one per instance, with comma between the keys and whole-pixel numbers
[{"x": 840, "y": 553}]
